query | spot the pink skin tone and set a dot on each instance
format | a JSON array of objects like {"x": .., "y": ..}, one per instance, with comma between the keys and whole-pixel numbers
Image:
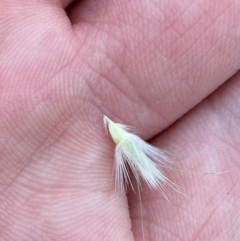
[{"x": 155, "y": 65}]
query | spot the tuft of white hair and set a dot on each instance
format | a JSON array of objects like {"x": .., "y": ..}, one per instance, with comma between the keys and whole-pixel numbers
[{"x": 144, "y": 160}]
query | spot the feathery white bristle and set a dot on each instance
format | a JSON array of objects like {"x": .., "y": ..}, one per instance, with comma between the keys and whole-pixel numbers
[{"x": 132, "y": 152}]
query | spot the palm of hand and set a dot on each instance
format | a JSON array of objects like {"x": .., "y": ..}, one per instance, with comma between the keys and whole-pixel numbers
[{"x": 146, "y": 65}]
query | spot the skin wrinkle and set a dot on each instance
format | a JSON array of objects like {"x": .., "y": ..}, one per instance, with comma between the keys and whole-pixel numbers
[
  {"x": 177, "y": 16},
  {"x": 188, "y": 30},
  {"x": 205, "y": 223},
  {"x": 207, "y": 8},
  {"x": 105, "y": 31},
  {"x": 218, "y": 198},
  {"x": 125, "y": 50},
  {"x": 184, "y": 33},
  {"x": 90, "y": 89},
  {"x": 219, "y": 15},
  {"x": 168, "y": 231},
  {"x": 190, "y": 47},
  {"x": 140, "y": 26},
  {"x": 93, "y": 90},
  {"x": 155, "y": 223},
  {"x": 50, "y": 128},
  {"x": 43, "y": 86},
  {"x": 36, "y": 151},
  {"x": 113, "y": 83},
  {"x": 207, "y": 63},
  {"x": 194, "y": 42},
  {"x": 95, "y": 93},
  {"x": 14, "y": 179},
  {"x": 26, "y": 201}
]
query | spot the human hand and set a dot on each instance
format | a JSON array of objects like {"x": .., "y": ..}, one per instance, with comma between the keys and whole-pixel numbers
[{"x": 142, "y": 63}]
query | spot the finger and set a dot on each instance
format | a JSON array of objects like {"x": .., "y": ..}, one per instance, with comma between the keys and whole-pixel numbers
[
  {"x": 205, "y": 141},
  {"x": 157, "y": 59}
]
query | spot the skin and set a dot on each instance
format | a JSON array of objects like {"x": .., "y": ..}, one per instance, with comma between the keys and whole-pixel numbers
[{"x": 154, "y": 65}]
